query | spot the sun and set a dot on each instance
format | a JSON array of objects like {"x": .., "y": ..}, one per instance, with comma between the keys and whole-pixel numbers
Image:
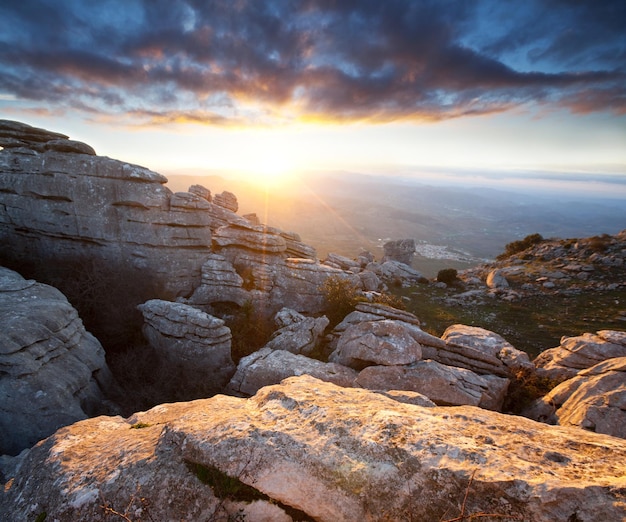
[{"x": 268, "y": 168}]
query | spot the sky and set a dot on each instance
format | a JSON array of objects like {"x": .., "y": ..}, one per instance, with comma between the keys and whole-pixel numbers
[{"x": 271, "y": 87}]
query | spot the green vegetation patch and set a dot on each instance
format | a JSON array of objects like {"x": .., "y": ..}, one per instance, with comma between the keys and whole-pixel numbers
[
  {"x": 532, "y": 324},
  {"x": 226, "y": 487}
]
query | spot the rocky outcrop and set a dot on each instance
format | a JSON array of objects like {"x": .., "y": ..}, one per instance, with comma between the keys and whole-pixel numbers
[
  {"x": 324, "y": 452},
  {"x": 580, "y": 352},
  {"x": 226, "y": 200},
  {"x": 52, "y": 371},
  {"x": 58, "y": 206},
  {"x": 296, "y": 248},
  {"x": 301, "y": 335},
  {"x": 341, "y": 262},
  {"x": 444, "y": 385},
  {"x": 481, "y": 351},
  {"x": 270, "y": 282},
  {"x": 220, "y": 282},
  {"x": 401, "y": 250},
  {"x": 395, "y": 272},
  {"x": 371, "y": 343},
  {"x": 594, "y": 400},
  {"x": 14, "y": 134},
  {"x": 266, "y": 367},
  {"x": 191, "y": 341},
  {"x": 565, "y": 267}
]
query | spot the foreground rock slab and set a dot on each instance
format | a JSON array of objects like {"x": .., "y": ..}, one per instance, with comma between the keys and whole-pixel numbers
[{"x": 329, "y": 453}]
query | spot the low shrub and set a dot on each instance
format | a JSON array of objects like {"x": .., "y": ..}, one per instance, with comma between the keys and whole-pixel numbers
[
  {"x": 447, "y": 276},
  {"x": 340, "y": 297},
  {"x": 519, "y": 246}
]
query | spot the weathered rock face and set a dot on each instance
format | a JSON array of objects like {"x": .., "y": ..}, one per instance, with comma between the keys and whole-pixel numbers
[
  {"x": 395, "y": 271},
  {"x": 481, "y": 351},
  {"x": 444, "y": 385},
  {"x": 267, "y": 366},
  {"x": 52, "y": 372},
  {"x": 341, "y": 262},
  {"x": 594, "y": 400},
  {"x": 266, "y": 279},
  {"x": 14, "y": 134},
  {"x": 334, "y": 454},
  {"x": 59, "y": 206},
  {"x": 300, "y": 336},
  {"x": 401, "y": 250},
  {"x": 191, "y": 340},
  {"x": 578, "y": 353},
  {"x": 370, "y": 343}
]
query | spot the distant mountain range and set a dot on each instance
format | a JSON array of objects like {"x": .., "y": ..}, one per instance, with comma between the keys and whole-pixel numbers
[{"x": 344, "y": 212}]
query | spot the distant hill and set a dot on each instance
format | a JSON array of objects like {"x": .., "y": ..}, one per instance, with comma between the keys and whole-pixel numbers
[{"x": 344, "y": 212}]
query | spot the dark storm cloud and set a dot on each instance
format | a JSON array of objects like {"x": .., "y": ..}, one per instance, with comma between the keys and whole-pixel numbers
[{"x": 229, "y": 61}]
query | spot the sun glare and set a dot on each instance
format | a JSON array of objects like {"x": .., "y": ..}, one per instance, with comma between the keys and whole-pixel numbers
[{"x": 269, "y": 169}]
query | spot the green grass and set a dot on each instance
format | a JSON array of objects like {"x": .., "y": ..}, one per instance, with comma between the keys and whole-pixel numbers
[{"x": 532, "y": 324}]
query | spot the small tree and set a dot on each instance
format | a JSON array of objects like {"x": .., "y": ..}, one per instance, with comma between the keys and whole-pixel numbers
[{"x": 340, "y": 296}]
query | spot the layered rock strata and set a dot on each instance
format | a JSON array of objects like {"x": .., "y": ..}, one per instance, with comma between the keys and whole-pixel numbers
[
  {"x": 191, "y": 341},
  {"x": 595, "y": 400},
  {"x": 59, "y": 206},
  {"x": 579, "y": 353},
  {"x": 52, "y": 371}
]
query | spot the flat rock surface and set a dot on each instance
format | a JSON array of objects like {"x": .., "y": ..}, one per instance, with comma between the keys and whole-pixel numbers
[{"x": 334, "y": 454}]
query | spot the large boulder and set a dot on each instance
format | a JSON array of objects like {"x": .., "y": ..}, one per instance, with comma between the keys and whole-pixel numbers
[
  {"x": 371, "y": 343},
  {"x": 401, "y": 250},
  {"x": 594, "y": 400},
  {"x": 394, "y": 272},
  {"x": 267, "y": 366},
  {"x": 53, "y": 372},
  {"x": 321, "y": 452},
  {"x": 444, "y": 385},
  {"x": 194, "y": 342},
  {"x": 578, "y": 353},
  {"x": 481, "y": 351}
]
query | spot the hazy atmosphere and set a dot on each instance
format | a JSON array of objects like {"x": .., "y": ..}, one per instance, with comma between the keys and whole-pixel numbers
[
  {"x": 430, "y": 89},
  {"x": 312, "y": 260}
]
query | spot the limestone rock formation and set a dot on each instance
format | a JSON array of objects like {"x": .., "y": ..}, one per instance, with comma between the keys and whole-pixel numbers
[
  {"x": 227, "y": 200},
  {"x": 269, "y": 281},
  {"x": 266, "y": 367},
  {"x": 301, "y": 336},
  {"x": 296, "y": 248},
  {"x": 580, "y": 352},
  {"x": 595, "y": 400},
  {"x": 401, "y": 250},
  {"x": 58, "y": 206},
  {"x": 481, "y": 351},
  {"x": 341, "y": 262},
  {"x": 395, "y": 271},
  {"x": 52, "y": 371},
  {"x": 220, "y": 282},
  {"x": 370, "y": 343},
  {"x": 14, "y": 134},
  {"x": 190, "y": 340},
  {"x": 325, "y": 452},
  {"x": 444, "y": 385}
]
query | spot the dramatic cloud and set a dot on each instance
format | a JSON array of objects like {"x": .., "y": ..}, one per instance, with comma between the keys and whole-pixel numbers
[{"x": 244, "y": 61}]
